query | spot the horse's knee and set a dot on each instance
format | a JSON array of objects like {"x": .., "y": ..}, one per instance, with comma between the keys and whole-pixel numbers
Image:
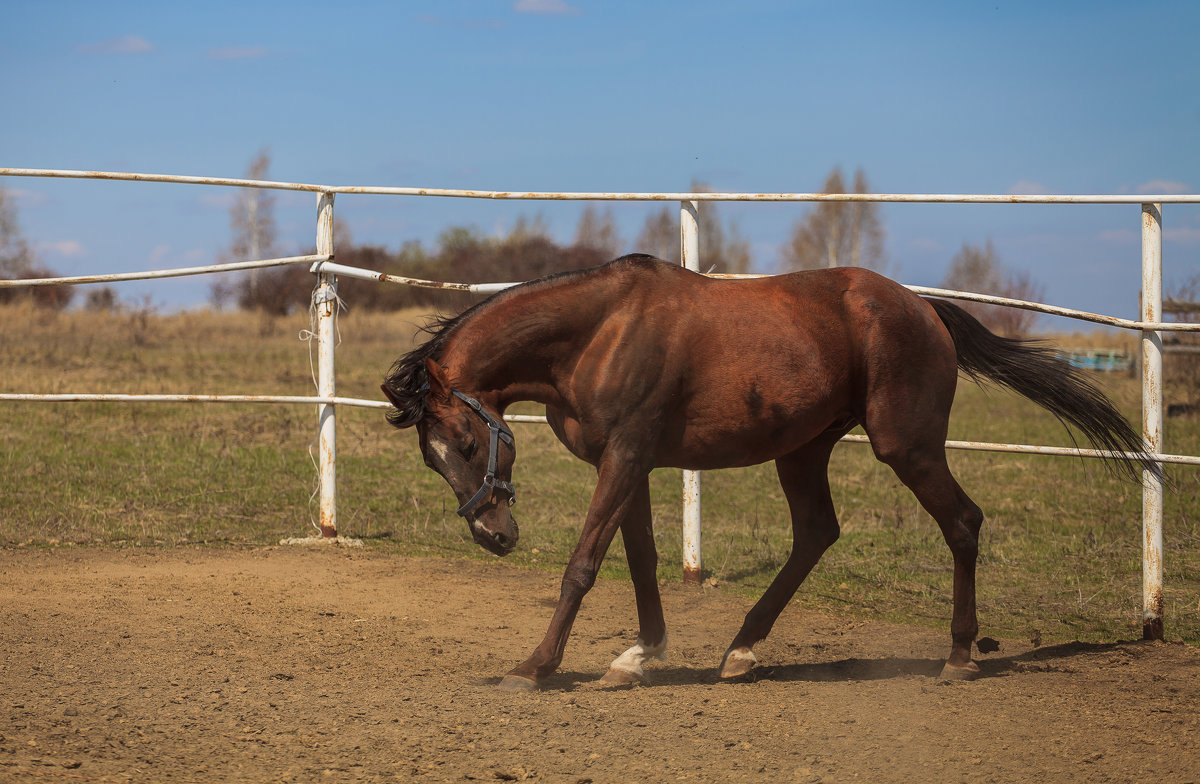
[
  {"x": 824, "y": 535},
  {"x": 577, "y": 580},
  {"x": 963, "y": 535},
  {"x": 972, "y": 518}
]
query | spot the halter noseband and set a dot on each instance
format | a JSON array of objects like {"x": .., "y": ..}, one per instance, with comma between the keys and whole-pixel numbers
[{"x": 498, "y": 432}]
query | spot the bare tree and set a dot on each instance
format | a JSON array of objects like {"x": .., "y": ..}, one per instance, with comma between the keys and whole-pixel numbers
[
  {"x": 722, "y": 248},
  {"x": 1181, "y": 365},
  {"x": 660, "y": 235},
  {"x": 1015, "y": 321},
  {"x": 525, "y": 229},
  {"x": 17, "y": 260},
  {"x": 976, "y": 270},
  {"x": 838, "y": 234},
  {"x": 979, "y": 271},
  {"x": 252, "y": 217},
  {"x": 252, "y": 223},
  {"x": 598, "y": 231}
]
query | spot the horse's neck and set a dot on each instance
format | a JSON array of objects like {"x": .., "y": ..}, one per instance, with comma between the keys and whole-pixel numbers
[{"x": 511, "y": 347}]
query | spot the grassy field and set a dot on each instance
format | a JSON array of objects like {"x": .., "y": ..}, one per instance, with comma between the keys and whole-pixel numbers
[{"x": 1060, "y": 552}]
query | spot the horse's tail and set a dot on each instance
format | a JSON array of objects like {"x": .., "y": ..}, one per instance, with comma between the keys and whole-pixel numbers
[{"x": 1031, "y": 369}]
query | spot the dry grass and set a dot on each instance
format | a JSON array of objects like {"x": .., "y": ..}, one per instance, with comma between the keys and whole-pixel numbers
[{"x": 1060, "y": 555}]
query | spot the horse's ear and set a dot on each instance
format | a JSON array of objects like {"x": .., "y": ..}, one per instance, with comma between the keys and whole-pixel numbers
[{"x": 439, "y": 384}]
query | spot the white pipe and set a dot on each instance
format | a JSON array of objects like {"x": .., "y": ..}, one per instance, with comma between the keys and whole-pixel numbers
[
  {"x": 325, "y": 303},
  {"x": 382, "y": 405},
  {"x": 1053, "y": 451},
  {"x": 107, "y": 397},
  {"x": 1053, "y": 310},
  {"x": 919, "y": 198},
  {"x": 689, "y": 257},
  {"x": 1152, "y": 423},
  {"x": 177, "y": 272},
  {"x": 383, "y": 277}
]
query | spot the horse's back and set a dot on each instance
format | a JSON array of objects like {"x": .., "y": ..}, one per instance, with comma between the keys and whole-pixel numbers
[{"x": 742, "y": 371}]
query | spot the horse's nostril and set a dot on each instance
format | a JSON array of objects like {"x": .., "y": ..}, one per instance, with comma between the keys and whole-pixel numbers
[{"x": 502, "y": 540}]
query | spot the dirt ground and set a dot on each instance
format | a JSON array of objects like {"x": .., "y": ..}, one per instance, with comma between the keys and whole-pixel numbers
[{"x": 317, "y": 664}]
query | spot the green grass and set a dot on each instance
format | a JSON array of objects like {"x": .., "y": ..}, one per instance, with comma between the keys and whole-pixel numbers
[{"x": 1060, "y": 551}]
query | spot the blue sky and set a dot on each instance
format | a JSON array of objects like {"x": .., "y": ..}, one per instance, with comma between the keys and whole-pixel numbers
[{"x": 757, "y": 95}]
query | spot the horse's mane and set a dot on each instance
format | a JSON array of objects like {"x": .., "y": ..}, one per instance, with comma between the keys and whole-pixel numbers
[{"x": 408, "y": 377}]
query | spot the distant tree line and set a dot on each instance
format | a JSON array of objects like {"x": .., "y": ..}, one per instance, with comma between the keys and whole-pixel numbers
[
  {"x": 838, "y": 233},
  {"x": 19, "y": 262},
  {"x": 980, "y": 271},
  {"x": 829, "y": 234},
  {"x": 462, "y": 255}
]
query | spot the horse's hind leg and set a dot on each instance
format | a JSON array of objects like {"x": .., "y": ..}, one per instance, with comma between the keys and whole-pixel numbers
[
  {"x": 922, "y": 467},
  {"x": 803, "y": 475}
]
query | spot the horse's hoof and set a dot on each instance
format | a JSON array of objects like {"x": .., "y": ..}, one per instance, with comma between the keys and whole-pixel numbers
[
  {"x": 517, "y": 683},
  {"x": 622, "y": 677},
  {"x": 960, "y": 672},
  {"x": 737, "y": 662}
]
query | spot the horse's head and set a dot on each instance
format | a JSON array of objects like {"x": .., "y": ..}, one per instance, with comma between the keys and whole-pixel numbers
[{"x": 474, "y": 451}]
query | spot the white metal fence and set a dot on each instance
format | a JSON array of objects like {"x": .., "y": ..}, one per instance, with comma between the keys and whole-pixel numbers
[{"x": 1149, "y": 325}]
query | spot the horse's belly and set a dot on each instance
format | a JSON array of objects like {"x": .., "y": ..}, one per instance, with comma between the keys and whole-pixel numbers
[{"x": 740, "y": 439}]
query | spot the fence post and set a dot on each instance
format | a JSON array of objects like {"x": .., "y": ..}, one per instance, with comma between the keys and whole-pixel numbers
[
  {"x": 325, "y": 304},
  {"x": 1152, "y": 423},
  {"x": 689, "y": 257}
]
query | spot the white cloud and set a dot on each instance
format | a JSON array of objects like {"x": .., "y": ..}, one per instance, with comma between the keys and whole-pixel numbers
[
  {"x": 1186, "y": 235},
  {"x": 26, "y": 198},
  {"x": 1163, "y": 186},
  {"x": 159, "y": 253},
  {"x": 461, "y": 24},
  {"x": 218, "y": 199},
  {"x": 65, "y": 248},
  {"x": 556, "y": 7},
  {"x": 1119, "y": 236},
  {"x": 124, "y": 44},
  {"x": 1027, "y": 188},
  {"x": 238, "y": 53}
]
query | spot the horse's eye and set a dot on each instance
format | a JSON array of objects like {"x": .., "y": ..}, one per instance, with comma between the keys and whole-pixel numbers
[{"x": 468, "y": 450}]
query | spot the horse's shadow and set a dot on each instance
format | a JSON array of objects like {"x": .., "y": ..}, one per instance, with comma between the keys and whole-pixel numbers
[{"x": 1051, "y": 658}]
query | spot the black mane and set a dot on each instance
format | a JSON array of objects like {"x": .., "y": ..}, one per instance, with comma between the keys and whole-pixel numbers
[{"x": 407, "y": 378}]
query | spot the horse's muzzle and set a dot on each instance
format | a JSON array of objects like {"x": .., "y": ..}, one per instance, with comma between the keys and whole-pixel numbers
[{"x": 500, "y": 542}]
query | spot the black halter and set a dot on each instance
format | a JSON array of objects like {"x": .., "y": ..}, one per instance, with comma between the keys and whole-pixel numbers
[{"x": 499, "y": 432}]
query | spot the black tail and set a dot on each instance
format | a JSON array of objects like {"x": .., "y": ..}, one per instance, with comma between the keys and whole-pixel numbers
[{"x": 1031, "y": 369}]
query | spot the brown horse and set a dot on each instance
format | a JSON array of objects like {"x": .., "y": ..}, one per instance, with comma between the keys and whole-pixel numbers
[{"x": 642, "y": 364}]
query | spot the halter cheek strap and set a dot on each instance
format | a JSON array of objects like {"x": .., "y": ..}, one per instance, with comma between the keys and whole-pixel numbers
[{"x": 498, "y": 431}]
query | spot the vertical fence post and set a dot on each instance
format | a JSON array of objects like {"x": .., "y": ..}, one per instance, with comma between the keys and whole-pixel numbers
[
  {"x": 325, "y": 304},
  {"x": 1152, "y": 423},
  {"x": 689, "y": 256}
]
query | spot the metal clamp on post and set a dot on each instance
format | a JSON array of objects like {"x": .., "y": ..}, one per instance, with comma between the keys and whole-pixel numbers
[{"x": 326, "y": 290}]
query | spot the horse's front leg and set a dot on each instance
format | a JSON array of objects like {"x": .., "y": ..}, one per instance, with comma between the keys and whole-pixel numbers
[
  {"x": 637, "y": 531},
  {"x": 615, "y": 496}
]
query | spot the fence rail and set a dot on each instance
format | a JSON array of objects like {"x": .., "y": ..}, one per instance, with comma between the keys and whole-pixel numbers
[
  {"x": 460, "y": 193},
  {"x": 326, "y": 270}
]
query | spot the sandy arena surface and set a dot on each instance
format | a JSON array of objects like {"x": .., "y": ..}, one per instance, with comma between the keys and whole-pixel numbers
[{"x": 316, "y": 664}]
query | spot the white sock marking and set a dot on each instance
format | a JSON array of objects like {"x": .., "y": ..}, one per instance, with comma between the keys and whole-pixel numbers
[{"x": 632, "y": 660}]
